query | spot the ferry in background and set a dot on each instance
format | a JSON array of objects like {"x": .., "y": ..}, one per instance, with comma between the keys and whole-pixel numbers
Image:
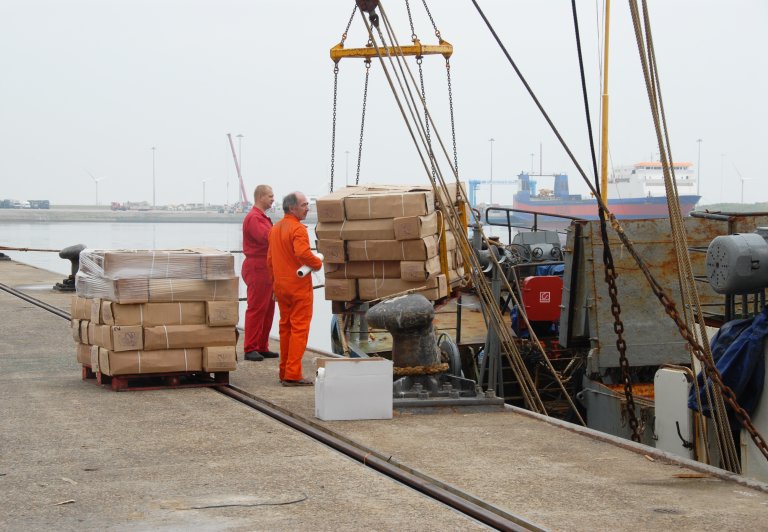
[{"x": 635, "y": 191}]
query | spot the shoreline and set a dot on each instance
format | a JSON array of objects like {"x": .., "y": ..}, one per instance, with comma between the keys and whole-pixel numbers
[{"x": 85, "y": 215}]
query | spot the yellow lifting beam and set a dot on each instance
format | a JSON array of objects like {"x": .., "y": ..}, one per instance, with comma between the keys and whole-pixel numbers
[{"x": 417, "y": 49}]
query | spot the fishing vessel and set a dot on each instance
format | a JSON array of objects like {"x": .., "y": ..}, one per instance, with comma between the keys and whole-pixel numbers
[{"x": 634, "y": 192}]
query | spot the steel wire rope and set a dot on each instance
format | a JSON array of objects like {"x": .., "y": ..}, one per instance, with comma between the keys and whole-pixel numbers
[
  {"x": 608, "y": 265},
  {"x": 524, "y": 378},
  {"x": 509, "y": 341},
  {"x": 509, "y": 344},
  {"x": 689, "y": 291}
]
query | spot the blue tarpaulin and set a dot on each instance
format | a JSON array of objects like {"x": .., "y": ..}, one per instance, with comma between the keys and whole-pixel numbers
[{"x": 737, "y": 350}]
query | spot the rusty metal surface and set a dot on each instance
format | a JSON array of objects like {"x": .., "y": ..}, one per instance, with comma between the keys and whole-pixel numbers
[{"x": 651, "y": 336}]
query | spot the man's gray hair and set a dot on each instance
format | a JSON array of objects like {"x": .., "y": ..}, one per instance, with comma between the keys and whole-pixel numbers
[{"x": 289, "y": 201}]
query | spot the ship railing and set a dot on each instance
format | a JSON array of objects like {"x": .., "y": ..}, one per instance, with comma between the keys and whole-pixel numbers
[{"x": 517, "y": 219}]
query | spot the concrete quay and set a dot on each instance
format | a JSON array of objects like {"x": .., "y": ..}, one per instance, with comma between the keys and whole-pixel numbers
[{"x": 76, "y": 456}]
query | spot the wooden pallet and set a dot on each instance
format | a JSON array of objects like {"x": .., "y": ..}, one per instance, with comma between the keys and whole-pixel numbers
[{"x": 157, "y": 381}]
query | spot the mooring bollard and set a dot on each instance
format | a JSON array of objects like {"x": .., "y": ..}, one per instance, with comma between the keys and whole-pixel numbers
[{"x": 72, "y": 254}]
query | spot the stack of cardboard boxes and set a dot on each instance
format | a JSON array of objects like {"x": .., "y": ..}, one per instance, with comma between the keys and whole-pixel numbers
[
  {"x": 161, "y": 311},
  {"x": 382, "y": 240}
]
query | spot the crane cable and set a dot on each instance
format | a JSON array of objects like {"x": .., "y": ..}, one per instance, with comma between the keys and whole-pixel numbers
[
  {"x": 513, "y": 355},
  {"x": 689, "y": 291},
  {"x": 527, "y": 386}
]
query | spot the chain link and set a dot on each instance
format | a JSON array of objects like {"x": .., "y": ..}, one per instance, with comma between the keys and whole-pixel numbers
[
  {"x": 410, "y": 20},
  {"x": 453, "y": 124},
  {"x": 434, "y": 26},
  {"x": 351, "y": 17},
  {"x": 618, "y": 328},
  {"x": 333, "y": 132},
  {"x": 362, "y": 121}
]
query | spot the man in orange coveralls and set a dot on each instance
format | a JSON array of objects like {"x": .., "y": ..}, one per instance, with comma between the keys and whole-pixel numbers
[
  {"x": 289, "y": 251},
  {"x": 261, "y": 305}
]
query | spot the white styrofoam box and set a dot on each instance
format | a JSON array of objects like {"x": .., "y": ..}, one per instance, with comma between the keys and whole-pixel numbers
[{"x": 353, "y": 388}]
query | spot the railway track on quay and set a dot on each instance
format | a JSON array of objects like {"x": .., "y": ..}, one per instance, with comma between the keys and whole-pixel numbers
[{"x": 452, "y": 497}]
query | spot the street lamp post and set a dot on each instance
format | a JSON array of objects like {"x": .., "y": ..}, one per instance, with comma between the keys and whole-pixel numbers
[
  {"x": 203, "y": 194},
  {"x": 491, "y": 140},
  {"x": 532, "y": 155},
  {"x": 698, "y": 169},
  {"x": 154, "y": 203}
]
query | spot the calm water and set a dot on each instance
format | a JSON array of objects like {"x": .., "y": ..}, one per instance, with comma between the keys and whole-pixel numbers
[{"x": 226, "y": 237}]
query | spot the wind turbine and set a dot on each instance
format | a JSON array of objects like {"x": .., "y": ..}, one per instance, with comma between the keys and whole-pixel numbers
[
  {"x": 742, "y": 179},
  {"x": 96, "y": 181}
]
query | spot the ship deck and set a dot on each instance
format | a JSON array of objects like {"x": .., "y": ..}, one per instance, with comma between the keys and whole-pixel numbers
[{"x": 76, "y": 456}]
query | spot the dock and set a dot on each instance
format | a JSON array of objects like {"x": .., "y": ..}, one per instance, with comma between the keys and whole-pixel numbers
[{"x": 78, "y": 456}]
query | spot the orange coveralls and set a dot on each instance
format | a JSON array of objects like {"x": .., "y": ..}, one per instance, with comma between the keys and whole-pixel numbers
[{"x": 289, "y": 251}]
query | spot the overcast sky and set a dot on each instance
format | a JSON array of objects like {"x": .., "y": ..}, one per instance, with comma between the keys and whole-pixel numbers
[{"x": 92, "y": 86}]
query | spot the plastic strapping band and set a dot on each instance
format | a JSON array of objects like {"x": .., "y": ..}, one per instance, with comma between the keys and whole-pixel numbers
[
  {"x": 365, "y": 247},
  {"x": 186, "y": 365},
  {"x": 402, "y": 250},
  {"x": 181, "y": 317},
  {"x": 167, "y": 265},
  {"x": 167, "y": 341},
  {"x": 170, "y": 283},
  {"x": 402, "y": 203},
  {"x": 341, "y": 230},
  {"x": 141, "y": 314},
  {"x": 138, "y": 354},
  {"x": 152, "y": 267}
]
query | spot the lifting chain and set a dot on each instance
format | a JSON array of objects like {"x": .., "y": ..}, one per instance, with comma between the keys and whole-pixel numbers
[
  {"x": 335, "y": 95},
  {"x": 618, "y": 328},
  {"x": 450, "y": 106},
  {"x": 362, "y": 121},
  {"x": 709, "y": 367},
  {"x": 333, "y": 128}
]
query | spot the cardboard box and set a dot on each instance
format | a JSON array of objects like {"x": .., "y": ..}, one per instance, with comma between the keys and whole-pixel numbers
[
  {"x": 403, "y": 201},
  {"x": 119, "y": 290},
  {"x": 353, "y": 388},
  {"x": 193, "y": 290},
  {"x": 367, "y": 250},
  {"x": 149, "y": 314},
  {"x": 340, "y": 289},
  {"x": 450, "y": 240},
  {"x": 180, "y": 336},
  {"x": 144, "y": 362},
  {"x": 94, "y": 353},
  {"x": 454, "y": 188},
  {"x": 84, "y": 328},
  {"x": 412, "y": 227},
  {"x": 91, "y": 334},
  {"x": 418, "y": 270},
  {"x": 333, "y": 251},
  {"x": 381, "y": 229},
  {"x": 330, "y": 208},
  {"x": 194, "y": 263},
  {"x": 389, "y": 269},
  {"x": 454, "y": 276},
  {"x": 433, "y": 289},
  {"x": 80, "y": 309},
  {"x": 222, "y": 313},
  {"x": 221, "y": 358},
  {"x": 118, "y": 337},
  {"x": 75, "y": 325},
  {"x": 96, "y": 311},
  {"x": 83, "y": 354}
]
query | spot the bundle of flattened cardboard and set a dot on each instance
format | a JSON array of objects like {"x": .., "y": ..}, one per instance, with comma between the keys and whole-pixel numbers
[
  {"x": 382, "y": 240},
  {"x": 157, "y": 311}
]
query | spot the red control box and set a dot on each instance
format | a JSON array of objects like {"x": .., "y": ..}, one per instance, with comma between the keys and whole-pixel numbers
[{"x": 542, "y": 297}]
